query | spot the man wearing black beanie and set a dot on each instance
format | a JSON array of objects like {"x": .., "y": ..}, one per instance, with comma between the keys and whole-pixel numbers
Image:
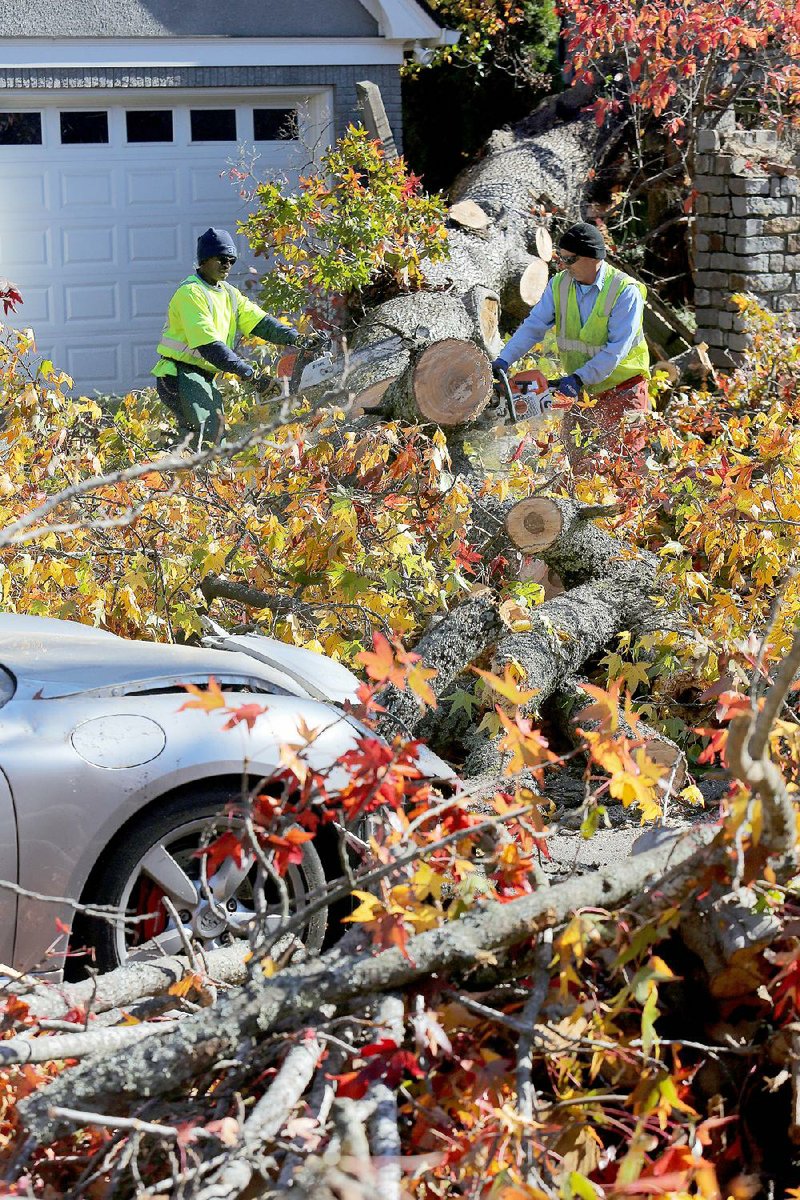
[
  {"x": 205, "y": 316},
  {"x": 597, "y": 312}
]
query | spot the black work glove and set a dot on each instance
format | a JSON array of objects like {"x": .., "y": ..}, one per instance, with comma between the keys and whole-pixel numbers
[
  {"x": 569, "y": 385},
  {"x": 499, "y": 368},
  {"x": 266, "y": 385},
  {"x": 316, "y": 342}
]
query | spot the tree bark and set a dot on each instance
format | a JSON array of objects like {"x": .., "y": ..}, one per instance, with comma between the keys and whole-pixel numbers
[
  {"x": 563, "y": 534},
  {"x": 566, "y": 631},
  {"x": 448, "y": 647}
]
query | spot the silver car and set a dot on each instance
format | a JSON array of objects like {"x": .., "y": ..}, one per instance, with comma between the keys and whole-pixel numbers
[{"x": 106, "y": 788}]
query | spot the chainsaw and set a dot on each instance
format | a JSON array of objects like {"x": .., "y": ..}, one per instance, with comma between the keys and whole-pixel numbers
[{"x": 527, "y": 395}]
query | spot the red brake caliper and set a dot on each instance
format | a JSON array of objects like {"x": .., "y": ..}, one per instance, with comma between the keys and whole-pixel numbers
[{"x": 150, "y": 896}]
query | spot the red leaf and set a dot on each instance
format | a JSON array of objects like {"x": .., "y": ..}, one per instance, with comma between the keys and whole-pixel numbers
[
  {"x": 227, "y": 845},
  {"x": 249, "y": 713}
]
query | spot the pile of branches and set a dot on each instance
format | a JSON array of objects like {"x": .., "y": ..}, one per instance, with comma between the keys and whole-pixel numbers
[{"x": 481, "y": 1029}]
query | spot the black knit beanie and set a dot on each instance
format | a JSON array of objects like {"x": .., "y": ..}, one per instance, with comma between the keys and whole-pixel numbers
[
  {"x": 583, "y": 239},
  {"x": 214, "y": 242}
]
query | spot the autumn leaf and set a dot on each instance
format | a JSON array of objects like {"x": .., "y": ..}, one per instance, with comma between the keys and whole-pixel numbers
[
  {"x": 206, "y": 698},
  {"x": 227, "y": 845},
  {"x": 418, "y": 678},
  {"x": 246, "y": 714},
  {"x": 508, "y": 686},
  {"x": 382, "y": 664}
]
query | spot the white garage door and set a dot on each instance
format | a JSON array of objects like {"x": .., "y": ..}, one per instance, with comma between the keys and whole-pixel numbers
[{"x": 101, "y": 206}]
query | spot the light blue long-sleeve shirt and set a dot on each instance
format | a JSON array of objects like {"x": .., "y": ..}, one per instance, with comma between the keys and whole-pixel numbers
[{"x": 623, "y": 327}]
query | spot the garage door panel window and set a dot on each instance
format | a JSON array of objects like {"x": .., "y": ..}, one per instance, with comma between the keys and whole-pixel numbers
[
  {"x": 20, "y": 129},
  {"x": 275, "y": 124},
  {"x": 213, "y": 124},
  {"x": 84, "y": 128},
  {"x": 148, "y": 125}
]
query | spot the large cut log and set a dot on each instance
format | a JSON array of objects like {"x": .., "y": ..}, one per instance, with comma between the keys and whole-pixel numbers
[
  {"x": 565, "y": 632},
  {"x": 449, "y": 383},
  {"x": 563, "y": 534}
]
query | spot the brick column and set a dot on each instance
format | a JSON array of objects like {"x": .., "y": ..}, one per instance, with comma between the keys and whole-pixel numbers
[{"x": 747, "y": 234}]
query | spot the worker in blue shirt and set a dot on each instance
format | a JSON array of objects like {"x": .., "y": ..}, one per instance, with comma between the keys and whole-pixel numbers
[{"x": 597, "y": 314}]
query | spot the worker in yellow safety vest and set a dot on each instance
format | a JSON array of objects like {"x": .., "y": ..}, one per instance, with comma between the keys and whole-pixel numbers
[
  {"x": 204, "y": 318},
  {"x": 597, "y": 313}
]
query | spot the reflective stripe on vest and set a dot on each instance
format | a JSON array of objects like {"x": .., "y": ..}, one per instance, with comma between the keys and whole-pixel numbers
[{"x": 186, "y": 352}]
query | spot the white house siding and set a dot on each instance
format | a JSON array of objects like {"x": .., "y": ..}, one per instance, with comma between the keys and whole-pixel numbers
[{"x": 97, "y": 235}]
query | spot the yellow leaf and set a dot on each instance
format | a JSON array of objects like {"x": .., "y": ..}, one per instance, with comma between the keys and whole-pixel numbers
[
  {"x": 507, "y": 687},
  {"x": 418, "y": 678},
  {"x": 368, "y": 909}
]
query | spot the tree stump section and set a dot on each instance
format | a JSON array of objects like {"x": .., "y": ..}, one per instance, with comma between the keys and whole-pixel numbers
[
  {"x": 449, "y": 383},
  {"x": 562, "y": 532}
]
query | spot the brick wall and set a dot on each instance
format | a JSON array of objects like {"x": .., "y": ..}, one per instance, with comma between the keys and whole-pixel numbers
[{"x": 747, "y": 234}]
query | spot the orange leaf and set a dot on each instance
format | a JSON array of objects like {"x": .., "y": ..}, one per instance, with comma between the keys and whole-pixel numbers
[{"x": 206, "y": 698}]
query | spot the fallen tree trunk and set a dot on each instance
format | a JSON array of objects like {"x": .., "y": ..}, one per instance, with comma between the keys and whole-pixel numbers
[
  {"x": 564, "y": 633},
  {"x": 448, "y": 647},
  {"x": 168, "y": 1061},
  {"x": 498, "y": 243}
]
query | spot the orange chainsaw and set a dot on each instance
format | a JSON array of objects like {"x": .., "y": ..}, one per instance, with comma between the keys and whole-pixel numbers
[{"x": 527, "y": 395}]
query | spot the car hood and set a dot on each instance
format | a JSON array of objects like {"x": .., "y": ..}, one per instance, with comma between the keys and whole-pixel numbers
[{"x": 52, "y": 658}]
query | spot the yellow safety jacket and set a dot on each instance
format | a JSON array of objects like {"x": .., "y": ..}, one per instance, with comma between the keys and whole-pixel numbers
[
  {"x": 199, "y": 313},
  {"x": 577, "y": 343}
]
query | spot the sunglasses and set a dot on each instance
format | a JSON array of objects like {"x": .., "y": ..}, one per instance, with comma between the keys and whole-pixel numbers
[
  {"x": 225, "y": 260},
  {"x": 567, "y": 259}
]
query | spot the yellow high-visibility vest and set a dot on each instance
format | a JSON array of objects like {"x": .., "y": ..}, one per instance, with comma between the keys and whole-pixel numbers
[
  {"x": 578, "y": 342},
  {"x": 200, "y": 313}
]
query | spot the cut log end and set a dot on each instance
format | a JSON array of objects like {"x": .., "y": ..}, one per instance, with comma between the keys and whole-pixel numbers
[
  {"x": 371, "y": 397},
  {"x": 544, "y": 244},
  {"x": 672, "y": 759},
  {"x": 533, "y": 282},
  {"x": 452, "y": 382},
  {"x": 469, "y": 215},
  {"x": 534, "y": 524},
  {"x": 489, "y": 319}
]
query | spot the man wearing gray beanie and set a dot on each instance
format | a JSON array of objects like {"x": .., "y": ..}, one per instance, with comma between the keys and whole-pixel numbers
[
  {"x": 597, "y": 312},
  {"x": 204, "y": 318}
]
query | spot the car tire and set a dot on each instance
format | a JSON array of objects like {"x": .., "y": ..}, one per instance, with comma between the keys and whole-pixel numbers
[{"x": 180, "y": 825}]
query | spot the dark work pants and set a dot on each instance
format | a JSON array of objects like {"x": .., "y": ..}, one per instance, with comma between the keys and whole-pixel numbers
[{"x": 195, "y": 402}]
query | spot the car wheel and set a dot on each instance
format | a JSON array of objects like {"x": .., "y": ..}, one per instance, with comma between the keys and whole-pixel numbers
[{"x": 158, "y": 857}]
